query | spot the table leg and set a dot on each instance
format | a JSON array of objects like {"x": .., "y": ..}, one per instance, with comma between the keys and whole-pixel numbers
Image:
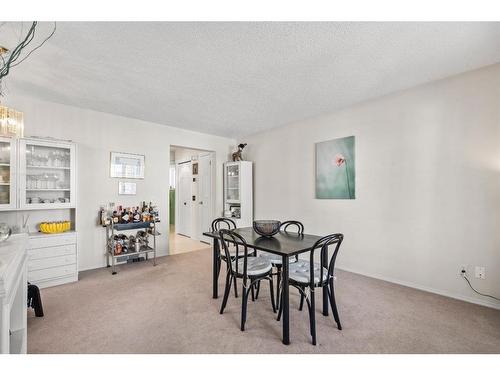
[
  {"x": 215, "y": 268},
  {"x": 286, "y": 306}
]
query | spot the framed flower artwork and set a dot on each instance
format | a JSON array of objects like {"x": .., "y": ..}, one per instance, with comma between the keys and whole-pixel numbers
[{"x": 336, "y": 169}]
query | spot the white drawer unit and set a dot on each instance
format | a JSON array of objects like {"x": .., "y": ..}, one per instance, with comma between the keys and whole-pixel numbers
[
  {"x": 49, "y": 263},
  {"x": 52, "y": 259},
  {"x": 50, "y": 252}
]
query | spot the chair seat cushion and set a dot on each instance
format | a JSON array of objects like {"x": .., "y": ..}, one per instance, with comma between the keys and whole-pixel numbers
[
  {"x": 255, "y": 266},
  {"x": 275, "y": 259},
  {"x": 300, "y": 272}
]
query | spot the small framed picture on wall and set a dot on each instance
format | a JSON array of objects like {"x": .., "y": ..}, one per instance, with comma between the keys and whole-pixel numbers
[
  {"x": 127, "y": 165},
  {"x": 127, "y": 188}
]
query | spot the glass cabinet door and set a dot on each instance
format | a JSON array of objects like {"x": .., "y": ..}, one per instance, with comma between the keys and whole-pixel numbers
[
  {"x": 47, "y": 180},
  {"x": 232, "y": 183},
  {"x": 7, "y": 173}
]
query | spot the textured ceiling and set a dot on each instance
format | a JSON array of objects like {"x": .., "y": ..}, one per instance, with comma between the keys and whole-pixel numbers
[{"x": 233, "y": 79}]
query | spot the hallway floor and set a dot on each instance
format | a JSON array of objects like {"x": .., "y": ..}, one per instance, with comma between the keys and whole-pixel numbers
[{"x": 179, "y": 244}]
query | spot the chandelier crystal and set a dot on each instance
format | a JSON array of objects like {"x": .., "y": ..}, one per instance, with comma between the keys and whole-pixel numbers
[{"x": 11, "y": 122}]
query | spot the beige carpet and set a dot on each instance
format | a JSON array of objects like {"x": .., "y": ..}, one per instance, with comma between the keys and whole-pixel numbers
[{"x": 169, "y": 309}]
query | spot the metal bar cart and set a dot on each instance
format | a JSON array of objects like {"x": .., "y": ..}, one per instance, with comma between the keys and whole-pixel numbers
[{"x": 150, "y": 229}]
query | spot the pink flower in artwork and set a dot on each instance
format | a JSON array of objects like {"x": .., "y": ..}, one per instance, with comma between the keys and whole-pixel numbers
[{"x": 339, "y": 160}]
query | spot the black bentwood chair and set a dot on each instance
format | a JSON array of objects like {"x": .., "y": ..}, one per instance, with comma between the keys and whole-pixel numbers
[
  {"x": 250, "y": 269},
  {"x": 226, "y": 223},
  {"x": 308, "y": 274},
  {"x": 276, "y": 260}
]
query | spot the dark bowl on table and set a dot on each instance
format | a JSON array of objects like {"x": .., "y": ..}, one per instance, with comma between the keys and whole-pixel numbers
[{"x": 267, "y": 228}]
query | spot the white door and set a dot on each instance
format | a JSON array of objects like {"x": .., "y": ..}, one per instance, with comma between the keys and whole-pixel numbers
[
  {"x": 184, "y": 183},
  {"x": 204, "y": 195}
]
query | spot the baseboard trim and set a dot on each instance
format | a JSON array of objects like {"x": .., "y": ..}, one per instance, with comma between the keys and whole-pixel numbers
[{"x": 477, "y": 301}]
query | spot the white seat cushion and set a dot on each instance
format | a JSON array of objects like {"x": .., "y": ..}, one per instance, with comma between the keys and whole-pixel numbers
[
  {"x": 300, "y": 272},
  {"x": 275, "y": 259},
  {"x": 255, "y": 266}
]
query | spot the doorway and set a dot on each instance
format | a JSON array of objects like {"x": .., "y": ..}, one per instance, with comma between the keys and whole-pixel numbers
[{"x": 191, "y": 198}]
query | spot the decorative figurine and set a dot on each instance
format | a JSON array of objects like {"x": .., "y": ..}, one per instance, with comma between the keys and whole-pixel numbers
[{"x": 237, "y": 155}]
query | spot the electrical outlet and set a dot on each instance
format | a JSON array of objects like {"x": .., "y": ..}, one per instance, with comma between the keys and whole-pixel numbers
[
  {"x": 463, "y": 270},
  {"x": 480, "y": 272}
]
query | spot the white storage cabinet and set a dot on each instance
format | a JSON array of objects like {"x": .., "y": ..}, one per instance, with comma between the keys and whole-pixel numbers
[{"x": 238, "y": 192}]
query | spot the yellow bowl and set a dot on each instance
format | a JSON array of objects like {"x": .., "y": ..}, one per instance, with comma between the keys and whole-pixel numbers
[{"x": 55, "y": 227}]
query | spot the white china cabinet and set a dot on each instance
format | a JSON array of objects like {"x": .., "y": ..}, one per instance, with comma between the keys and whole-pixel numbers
[
  {"x": 238, "y": 193},
  {"x": 8, "y": 176},
  {"x": 38, "y": 181},
  {"x": 46, "y": 174}
]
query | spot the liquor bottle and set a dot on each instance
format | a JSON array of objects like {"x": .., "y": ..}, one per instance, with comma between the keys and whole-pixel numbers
[
  {"x": 119, "y": 214},
  {"x": 104, "y": 218},
  {"x": 116, "y": 218},
  {"x": 137, "y": 215},
  {"x": 101, "y": 216},
  {"x": 125, "y": 217},
  {"x": 118, "y": 245},
  {"x": 124, "y": 242}
]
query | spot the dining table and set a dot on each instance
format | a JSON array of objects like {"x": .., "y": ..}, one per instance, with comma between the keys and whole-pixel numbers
[{"x": 284, "y": 244}]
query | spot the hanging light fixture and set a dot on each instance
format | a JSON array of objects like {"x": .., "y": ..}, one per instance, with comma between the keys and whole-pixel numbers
[{"x": 11, "y": 122}]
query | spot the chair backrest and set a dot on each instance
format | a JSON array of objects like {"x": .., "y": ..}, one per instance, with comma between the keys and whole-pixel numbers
[
  {"x": 323, "y": 244},
  {"x": 292, "y": 223},
  {"x": 240, "y": 246},
  {"x": 223, "y": 223}
]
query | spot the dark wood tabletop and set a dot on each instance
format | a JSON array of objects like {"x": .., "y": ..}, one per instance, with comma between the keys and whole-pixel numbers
[{"x": 282, "y": 243}]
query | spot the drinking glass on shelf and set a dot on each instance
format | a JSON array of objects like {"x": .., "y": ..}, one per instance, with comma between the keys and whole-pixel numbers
[
  {"x": 61, "y": 185},
  {"x": 57, "y": 158},
  {"x": 44, "y": 179},
  {"x": 38, "y": 180},
  {"x": 52, "y": 181},
  {"x": 66, "y": 159},
  {"x": 52, "y": 159}
]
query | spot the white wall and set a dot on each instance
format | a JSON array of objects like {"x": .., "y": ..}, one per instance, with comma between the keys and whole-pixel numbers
[
  {"x": 427, "y": 189},
  {"x": 97, "y": 134}
]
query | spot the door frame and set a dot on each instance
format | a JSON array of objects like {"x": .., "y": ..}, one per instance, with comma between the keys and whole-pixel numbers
[
  {"x": 177, "y": 198},
  {"x": 193, "y": 233},
  {"x": 212, "y": 173}
]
